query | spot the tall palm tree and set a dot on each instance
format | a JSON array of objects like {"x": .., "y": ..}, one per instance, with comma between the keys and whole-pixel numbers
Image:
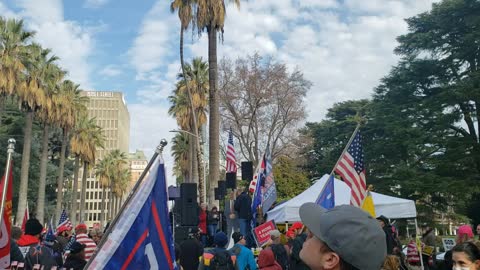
[
  {"x": 85, "y": 140},
  {"x": 210, "y": 17},
  {"x": 47, "y": 115},
  {"x": 71, "y": 106},
  {"x": 120, "y": 187},
  {"x": 120, "y": 162},
  {"x": 31, "y": 97},
  {"x": 13, "y": 53},
  {"x": 180, "y": 152},
  {"x": 189, "y": 104},
  {"x": 102, "y": 171}
]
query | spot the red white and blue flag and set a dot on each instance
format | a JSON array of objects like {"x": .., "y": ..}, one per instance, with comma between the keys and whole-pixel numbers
[
  {"x": 142, "y": 237},
  {"x": 231, "y": 165},
  {"x": 64, "y": 221},
  {"x": 351, "y": 168}
]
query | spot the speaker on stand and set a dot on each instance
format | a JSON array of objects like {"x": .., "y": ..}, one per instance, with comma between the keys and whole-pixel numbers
[
  {"x": 231, "y": 180},
  {"x": 247, "y": 171},
  {"x": 189, "y": 205}
]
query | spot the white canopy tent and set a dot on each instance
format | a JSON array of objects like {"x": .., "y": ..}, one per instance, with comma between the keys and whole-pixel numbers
[{"x": 390, "y": 207}]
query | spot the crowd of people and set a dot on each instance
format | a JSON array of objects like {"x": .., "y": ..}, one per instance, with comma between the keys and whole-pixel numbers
[
  {"x": 344, "y": 237},
  {"x": 37, "y": 248}
]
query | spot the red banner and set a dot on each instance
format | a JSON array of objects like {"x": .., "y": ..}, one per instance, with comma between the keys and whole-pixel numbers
[
  {"x": 6, "y": 222},
  {"x": 262, "y": 232}
]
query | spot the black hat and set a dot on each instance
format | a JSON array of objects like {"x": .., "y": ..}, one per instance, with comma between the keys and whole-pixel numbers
[
  {"x": 33, "y": 227},
  {"x": 383, "y": 218},
  {"x": 76, "y": 248},
  {"x": 236, "y": 236}
]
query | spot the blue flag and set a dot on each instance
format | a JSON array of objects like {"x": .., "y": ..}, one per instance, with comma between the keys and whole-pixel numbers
[
  {"x": 142, "y": 237},
  {"x": 257, "y": 195},
  {"x": 326, "y": 199}
]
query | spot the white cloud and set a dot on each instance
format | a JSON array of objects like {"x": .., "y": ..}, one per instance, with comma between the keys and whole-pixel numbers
[
  {"x": 154, "y": 41},
  {"x": 111, "y": 71},
  {"x": 95, "y": 3},
  {"x": 72, "y": 42},
  {"x": 148, "y": 125}
]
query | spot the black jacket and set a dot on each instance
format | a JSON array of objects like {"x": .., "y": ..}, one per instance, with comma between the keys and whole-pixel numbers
[
  {"x": 15, "y": 253},
  {"x": 213, "y": 217},
  {"x": 74, "y": 263},
  {"x": 297, "y": 245},
  {"x": 190, "y": 252},
  {"x": 243, "y": 206}
]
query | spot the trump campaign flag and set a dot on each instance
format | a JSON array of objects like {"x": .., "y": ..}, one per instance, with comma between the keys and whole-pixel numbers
[
  {"x": 142, "y": 237},
  {"x": 326, "y": 199},
  {"x": 6, "y": 225}
]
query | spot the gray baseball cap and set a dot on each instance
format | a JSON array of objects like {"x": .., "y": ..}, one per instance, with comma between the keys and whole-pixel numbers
[{"x": 349, "y": 231}]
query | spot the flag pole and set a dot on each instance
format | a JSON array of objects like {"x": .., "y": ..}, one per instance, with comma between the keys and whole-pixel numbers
[
  {"x": 10, "y": 150},
  {"x": 158, "y": 151}
]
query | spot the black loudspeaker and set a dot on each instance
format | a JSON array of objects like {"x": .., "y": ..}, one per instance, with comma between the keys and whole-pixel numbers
[
  {"x": 231, "y": 181},
  {"x": 181, "y": 233},
  {"x": 189, "y": 205},
  {"x": 247, "y": 170},
  {"x": 218, "y": 194},
  {"x": 222, "y": 188}
]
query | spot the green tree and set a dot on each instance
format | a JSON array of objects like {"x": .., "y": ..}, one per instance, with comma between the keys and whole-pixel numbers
[
  {"x": 180, "y": 150},
  {"x": 48, "y": 115},
  {"x": 71, "y": 105},
  {"x": 290, "y": 179}
]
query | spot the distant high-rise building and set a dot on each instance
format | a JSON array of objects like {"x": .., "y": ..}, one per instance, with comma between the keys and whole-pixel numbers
[
  {"x": 111, "y": 114},
  {"x": 138, "y": 163}
]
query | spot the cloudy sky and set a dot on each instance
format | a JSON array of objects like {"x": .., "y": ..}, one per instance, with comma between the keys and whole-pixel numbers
[{"x": 343, "y": 46}]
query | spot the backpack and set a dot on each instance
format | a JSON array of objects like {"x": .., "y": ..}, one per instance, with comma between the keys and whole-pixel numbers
[
  {"x": 280, "y": 255},
  {"x": 222, "y": 261}
]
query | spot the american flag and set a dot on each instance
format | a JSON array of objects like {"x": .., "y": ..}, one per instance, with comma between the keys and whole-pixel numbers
[
  {"x": 64, "y": 221},
  {"x": 351, "y": 168},
  {"x": 231, "y": 160}
]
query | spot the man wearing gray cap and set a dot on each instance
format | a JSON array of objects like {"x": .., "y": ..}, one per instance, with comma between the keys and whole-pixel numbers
[{"x": 344, "y": 237}]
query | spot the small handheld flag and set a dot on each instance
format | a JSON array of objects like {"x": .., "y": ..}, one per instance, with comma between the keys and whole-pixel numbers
[
  {"x": 368, "y": 205},
  {"x": 26, "y": 216},
  {"x": 64, "y": 221},
  {"x": 326, "y": 199}
]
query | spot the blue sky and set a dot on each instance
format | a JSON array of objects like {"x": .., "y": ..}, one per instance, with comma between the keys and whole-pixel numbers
[{"x": 343, "y": 46}]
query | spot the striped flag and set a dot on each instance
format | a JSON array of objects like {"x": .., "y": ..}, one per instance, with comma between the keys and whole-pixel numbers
[
  {"x": 64, "y": 221},
  {"x": 351, "y": 168},
  {"x": 231, "y": 159},
  {"x": 26, "y": 216}
]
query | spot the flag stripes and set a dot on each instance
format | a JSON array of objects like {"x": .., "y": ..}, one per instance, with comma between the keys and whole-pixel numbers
[
  {"x": 351, "y": 168},
  {"x": 231, "y": 165}
]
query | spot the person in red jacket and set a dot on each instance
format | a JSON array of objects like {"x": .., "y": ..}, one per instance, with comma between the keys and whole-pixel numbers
[
  {"x": 266, "y": 260},
  {"x": 202, "y": 223}
]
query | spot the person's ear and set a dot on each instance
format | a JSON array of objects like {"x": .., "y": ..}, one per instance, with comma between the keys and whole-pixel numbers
[{"x": 331, "y": 260}]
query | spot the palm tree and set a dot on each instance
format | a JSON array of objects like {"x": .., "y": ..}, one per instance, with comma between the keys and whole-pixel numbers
[
  {"x": 120, "y": 162},
  {"x": 189, "y": 104},
  {"x": 102, "y": 171},
  {"x": 31, "y": 97},
  {"x": 70, "y": 106},
  {"x": 120, "y": 187},
  {"x": 210, "y": 17},
  {"x": 48, "y": 115},
  {"x": 180, "y": 150},
  {"x": 85, "y": 140},
  {"x": 13, "y": 52}
]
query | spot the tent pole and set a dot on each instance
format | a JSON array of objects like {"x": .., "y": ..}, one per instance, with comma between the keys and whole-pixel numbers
[{"x": 418, "y": 249}]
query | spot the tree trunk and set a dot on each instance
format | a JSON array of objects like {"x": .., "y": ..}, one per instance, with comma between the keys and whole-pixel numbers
[
  {"x": 3, "y": 100},
  {"x": 214, "y": 115},
  {"x": 110, "y": 203},
  {"x": 27, "y": 144},
  {"x": 195, "y": 162},
  {"x": 58, "y": 208},
  {"x": 43, "y": 176},
  {"x": 191, "y": 156},
  {"x": 84, "y": 191},
  {"x": 75, "y": 190},
  {"x": 103, "y": 207}
]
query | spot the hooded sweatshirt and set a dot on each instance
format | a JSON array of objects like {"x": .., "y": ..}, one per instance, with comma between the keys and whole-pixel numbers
[{"x": 266, "y": 261}]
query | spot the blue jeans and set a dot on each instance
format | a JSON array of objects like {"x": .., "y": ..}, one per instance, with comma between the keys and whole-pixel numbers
[
  {"x": 212, "y": 229},
  {"x": 244, "y": 226}
]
